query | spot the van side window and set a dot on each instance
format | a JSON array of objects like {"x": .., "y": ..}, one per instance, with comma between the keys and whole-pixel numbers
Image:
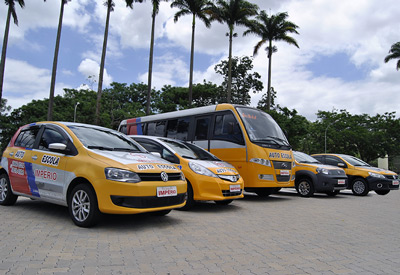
[
  {"x": 27, "y": 137},
  {"x": 227, "y": 128},
  {"x": 156, "y": 128},
  {"x": 178, "y": 128},
  {"x": 201, "y": 131}
]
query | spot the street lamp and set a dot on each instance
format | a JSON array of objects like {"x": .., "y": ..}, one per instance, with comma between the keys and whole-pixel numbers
[
  {"x": 327, "y": 130},
  {"x": 76, "y": 105}
]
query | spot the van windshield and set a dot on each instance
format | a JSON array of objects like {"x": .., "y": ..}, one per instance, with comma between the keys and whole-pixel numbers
[{"x": 262, "y": 129}]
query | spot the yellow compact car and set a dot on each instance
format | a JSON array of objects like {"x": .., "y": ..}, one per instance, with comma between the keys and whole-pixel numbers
[
  {"x": 208, "y": 177},
  {"x": 90, "y": 169},
  {"x": 313, "y": 176},
  {"x": 362, "y": 176}
]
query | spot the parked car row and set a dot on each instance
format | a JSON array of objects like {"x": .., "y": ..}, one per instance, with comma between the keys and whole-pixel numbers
[
  {"x": 94, "y": 170},
  {"x": 330, "y": 173}
]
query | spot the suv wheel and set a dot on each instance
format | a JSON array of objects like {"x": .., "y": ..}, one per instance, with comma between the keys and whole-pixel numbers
[
  {"x": 305, "y": 187},
  {"x": 360, "y": 187}
]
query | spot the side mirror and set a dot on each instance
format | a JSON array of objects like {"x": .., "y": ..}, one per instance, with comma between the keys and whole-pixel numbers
[
  {"x": 157, "y": 154},
  {"x": 58, "y": 147},
  {"x": 341, "y": 165}
]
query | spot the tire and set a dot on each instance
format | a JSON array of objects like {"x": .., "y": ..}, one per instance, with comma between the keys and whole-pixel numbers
[
  {"x": 265, "y": 192},
  {"x": 6, "y": 195},
  {"x": 224, "y": 202},
  {"x": 161, "y": 213},
  {"x": 360, "y": 187},
  {"x": 333, "y": 193},
  {"x": 83, "y": 207},
  {"x": 305, "y": 187},
  {"x": 382, "y": 192},
  {"x": 190, "y": 202}
]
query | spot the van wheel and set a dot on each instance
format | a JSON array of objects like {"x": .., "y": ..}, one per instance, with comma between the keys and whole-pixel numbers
[
  {"x": 224, "y": 202},
  {"x": 82, "y": 205},
  {"x": 6, "y": 195},
  {"x": 382, "y": 192},
  {"x": 332, "y": 193},
  {"x": 305, "y": 187},
  {"x": 360, "y": 187},
  {"x": 189, "y": 201}
]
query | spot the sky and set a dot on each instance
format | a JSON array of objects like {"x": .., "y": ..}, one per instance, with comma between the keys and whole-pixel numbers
[{"x": 338, "y": 65}]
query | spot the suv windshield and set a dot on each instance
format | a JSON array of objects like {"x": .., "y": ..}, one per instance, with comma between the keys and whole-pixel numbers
[
  {"x": 104, "y": 139},
  {"x": 304, "y": 158},
  {"x": 354, "y": 161},
  {"x": 262, "y": 128}
]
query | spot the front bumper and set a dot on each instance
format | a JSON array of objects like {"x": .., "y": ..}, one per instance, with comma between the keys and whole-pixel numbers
[
  {"x": 328, "y": 183},
  {"x": 382, "y": 184},
  {"x": 216, "y": 189}
]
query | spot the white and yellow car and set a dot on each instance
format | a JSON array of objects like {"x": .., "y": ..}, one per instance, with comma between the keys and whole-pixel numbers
[
  {"x": 208, "y": 177},
  {"x": 90, "y": 169}
]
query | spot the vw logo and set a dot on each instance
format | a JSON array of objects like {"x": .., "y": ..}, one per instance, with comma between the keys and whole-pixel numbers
[{"x": 164, "y": 176}]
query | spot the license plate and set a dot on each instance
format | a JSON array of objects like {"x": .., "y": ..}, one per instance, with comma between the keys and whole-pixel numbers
[
  {"x": 395, "y": 182},
  {"x": 234, "y": 188},
  {"x": 285, "y": 172},
  {"x": 341, "y": 182},
  {"x": 167, "y": 191}
]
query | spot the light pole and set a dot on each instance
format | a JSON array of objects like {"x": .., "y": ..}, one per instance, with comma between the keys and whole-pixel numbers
[
  {"x": 327, "y": 130},
  {"x": 76, "y": 105}
]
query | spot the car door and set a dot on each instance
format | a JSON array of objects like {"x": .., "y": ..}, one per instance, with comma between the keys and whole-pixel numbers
[
  {"x": 48, "y": 166},
  {"x": 20, "y": 162}
]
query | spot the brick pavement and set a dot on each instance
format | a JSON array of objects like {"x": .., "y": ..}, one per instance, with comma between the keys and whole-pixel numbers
[{"x": 282, "y": 234}]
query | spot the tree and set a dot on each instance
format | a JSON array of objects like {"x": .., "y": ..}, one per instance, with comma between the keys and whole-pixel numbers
[
  {"x": 233, "y": 13},
  {"x": 394, "y": 53},
  {"x": 272, "y": 28},
  {"x": 110, "y": 7},
  {"x": 197, "y": 8},
  {"x": 11, "y": 12},
  {"x": 55, "y": 60},
  {"x": 156, "y": 7},
  {"x": 242, "y": 80}
]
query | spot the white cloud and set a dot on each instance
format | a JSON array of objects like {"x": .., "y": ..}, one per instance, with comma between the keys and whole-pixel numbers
[{"x": 90, "y": 69}]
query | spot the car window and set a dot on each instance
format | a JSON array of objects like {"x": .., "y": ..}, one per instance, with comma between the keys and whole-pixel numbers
[
  {"x": 27, "y": 137},
  {"x": 331, "y": 160},
  {"x": 181, "y": 149},
  {"x": 51, "y": 136}
]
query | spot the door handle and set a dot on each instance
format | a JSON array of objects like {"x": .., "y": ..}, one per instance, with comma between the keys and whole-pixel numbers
[{"x": 34, "y": 157}]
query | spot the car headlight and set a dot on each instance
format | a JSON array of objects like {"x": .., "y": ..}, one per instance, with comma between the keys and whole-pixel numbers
[
  {"x": 264, "y": 162},
  {"x": 199, "y": 169},
  {"x": 183, "y": 176},
  {"x": 322, "y": 171},
  {"x": 116, "y": 174},
  {"x": 376, "y": 175}
]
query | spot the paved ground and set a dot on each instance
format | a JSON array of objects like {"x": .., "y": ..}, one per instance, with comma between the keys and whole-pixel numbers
[{"x": 282, "y": 234}]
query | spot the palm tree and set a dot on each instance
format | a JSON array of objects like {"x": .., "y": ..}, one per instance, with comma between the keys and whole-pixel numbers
[
  {"x": 197, "y": 8},
  {"x": 110, "y": 7},
  {"x": 54, "y": 70},
  {"x": 233, "y": 13},
  {"x": 11, "y": 12},
  {"x": 394, "y": 53},
  {"x": 272, "y": 28},
  {"x": 156, "y": 7}
]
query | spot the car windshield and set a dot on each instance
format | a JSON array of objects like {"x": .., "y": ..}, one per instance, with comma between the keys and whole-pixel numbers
[
  {"x": 354, "y": 161},
  {"x": 104, "y": 139},
  {"x": 182, "y": 150},
  {"x": 203, "y": 154},
  {"x": 304, "y": 158},
  {"x": 262, "y": 128}
]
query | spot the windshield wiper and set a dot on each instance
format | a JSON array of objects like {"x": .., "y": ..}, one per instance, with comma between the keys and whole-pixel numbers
[
  {"x": 100, "y": 148},
  {"x": 126, "y": 149},
  {"x": 188, "y": 157}
]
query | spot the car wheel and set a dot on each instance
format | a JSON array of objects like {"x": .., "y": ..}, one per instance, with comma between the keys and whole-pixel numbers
[
  {"x": 265, "y": 192},
  {"x": 305, "y": 187},
  {"x": 190, "y": 202},
  {"x": 224, "y": 202},
  {"x": 6, "y": 195},
  {"x": 161, "y": 213},
  {"x": 360, "y": 187},
  {"x": 332, "y": 193},
  {"x": 82, "y": 205},
  {"x": 382, "y": 192}
]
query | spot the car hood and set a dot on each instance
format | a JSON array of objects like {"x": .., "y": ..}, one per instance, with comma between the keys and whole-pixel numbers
[
  {"x": 217, "y": 167},
  {"x": 135, "y": 161},
  {"x": 375, "y": 170}
]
